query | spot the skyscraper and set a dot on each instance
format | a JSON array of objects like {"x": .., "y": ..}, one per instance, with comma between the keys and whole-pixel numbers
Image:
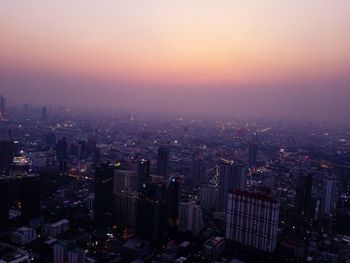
[
  {"x": 4, "y": 203},
  {"x": 144, "y": 167},
  {"x": 197, "y": 170},
  {"x": 172, "y": 198},
  {"x": 231, "y": 176},
  {"x": 190, "y": 217},
  {"x": 252, "y": 220},
  {"x": 163, "y": 162},
  {"x": 253, "y": 152},
  {"x": 151, "y": 218},
  {"x": 103, "y": 180},
  {"x": 303, "y": 201},
  {"x": 2, "y": 107},
  {"x": 328, "y": 199},
  {"x": 125, "y": 205},
  {"x": 44, "y": 114},
  {"x": 30, "y": 197},
  {"x": 6, "y": 156}
]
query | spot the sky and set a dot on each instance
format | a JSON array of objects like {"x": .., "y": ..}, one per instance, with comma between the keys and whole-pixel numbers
[{"x": 258, "y": 58}]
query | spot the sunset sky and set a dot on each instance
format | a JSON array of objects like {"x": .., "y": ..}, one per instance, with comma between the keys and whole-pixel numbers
[{"x": 272, "y": 57}]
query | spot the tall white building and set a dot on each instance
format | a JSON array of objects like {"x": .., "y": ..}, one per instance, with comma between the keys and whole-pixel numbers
[
  {"x": 252, "y": 220},
  {"x": 328, "y": 199},
  {"x": 232, "y": 176},
  {"x": 190, "y": 217}
]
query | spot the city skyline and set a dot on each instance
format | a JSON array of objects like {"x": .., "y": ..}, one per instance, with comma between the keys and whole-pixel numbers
[{"x": 271, "y": 59}]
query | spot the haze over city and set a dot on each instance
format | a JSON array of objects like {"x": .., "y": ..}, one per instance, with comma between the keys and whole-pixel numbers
[{"x": 271, "y": 59}]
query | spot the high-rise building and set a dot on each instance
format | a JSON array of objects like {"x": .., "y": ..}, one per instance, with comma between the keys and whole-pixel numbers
[
  {"x": 163, "y": 162},
  {"x": 151, "y": 222},
  {"x": 125, "y": 180},
  {"x": 6, "y": 156},
  {"x": 172, "y": 198},
  {"x": 44, "y": 114},
  {"x": 190, "y": 217},
  {"x": 4, "y": 204},
  {"x": 252, "y": 220},
  {"x": 125, "y": 205},
  {"x": 144, "y": 167},
  {"x": 103, "y": 180},
  {"x": 303, "y": 200},
  {"x": 30, "y": 198},
  {"x": 328, "y": 199},
  {"x": 253, "y": 153},
  {"x": 65, "y": 252},
  {"x": 2, "y": 107},
  {"x": 209, "y": 197},
  {"x": 197, "y": 170},
  {"x": 231, "y": 176}
]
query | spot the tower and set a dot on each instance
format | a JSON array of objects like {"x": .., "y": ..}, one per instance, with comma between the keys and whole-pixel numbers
[
  {"x": 30, "y": 197},
  {"x": 163, "y": 162},
  {"x": 4, "y": 204}
]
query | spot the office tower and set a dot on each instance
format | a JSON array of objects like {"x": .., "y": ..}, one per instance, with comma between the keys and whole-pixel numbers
[
  {"x": 190, "y": 217},
  {"x": 151, "y": 218},
  {"x": 253, "y": 152},
  {"x": 209, "y": 197},
  {"x": 6, "y": 156},
  {"x": 50, "y": 140},
  {"x": 328, "y": 199},
  {"x": 103, "y": 180},
  {"x": 4, "y": 203},
  {"x": 144, "y": 167},
  {"x": 2, "y": 107},
  {"x": 197, "y": 170},
  {"x": 252, "y": 220},
  {"x": 44, "y": 114},
  {"x": 65, "y": 252},
  {"x": 125, "y": 180},
  {"x": 303, "y": 200},
  {"x": 125, "y": 205},
  {"x": 231, "y": 176},
  {"x": 163, "y": 162},
  {"x": 30, "y": 197},
  {"x": 62, "y": 154},
  {"x": 172, "y": 197}
]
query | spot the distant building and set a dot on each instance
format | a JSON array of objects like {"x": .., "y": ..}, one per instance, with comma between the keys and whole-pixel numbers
[
  {"x": 144, "y": 167},
  {"x": 4, "y": 204},
  {"x": 328, "y": 199},
  {"x": 172, "y": 199},
  {"x": 231, "y": 176},
  {"x": 6, "y": 156},
  {"x": 197, "y": 170},
  {"x": 209, "y": 197},
  {"x": 125, "y": 205},
  {"x": 23, "y": 235},
  {"x": 151, "y": 218},
  {"x": 44, "y": 114},
  {"x": 163, "y": 162},
  {"x": 253, "y": 153},
  {"x": 252, "y": 220},
  {"x": 213, "y": 247},
  {"x": 56, "y": 229},
  {"x": 30, "y": 197},
  {"x": 303, "y": 201},
  {"x": 103, "y": 180},
  {"x": 190, "y": 218},
  {"x": 64, "y": 252},
  {"x": 2, "y": 107}
]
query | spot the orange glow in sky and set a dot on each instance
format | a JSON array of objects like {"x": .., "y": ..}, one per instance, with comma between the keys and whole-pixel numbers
[{"x": 179, "y": 42}]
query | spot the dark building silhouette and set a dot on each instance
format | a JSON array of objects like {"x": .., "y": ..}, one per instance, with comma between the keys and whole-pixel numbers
[
  {"x": 62, "y": 154},
  {"x": 2, "y": 107},
  {"x": 44, "y": 114},
  {"x": 303, "y": 200},
  {"x": 6, "y": 156},
  {"x": 30, "y": 198},
  {"x": 151, "y": 222},
  {"x": 144, "y": 167},
  {"x": 197, "y": 170},
  {"x": 103, "y": 207},
  {"x": 50, "y": 140},
  {"x": 253, "y": 153},
  {"x": 4, "y": 203},
  {"x": 172, "y": 199},
  {"x": 163, "y": 162}
]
